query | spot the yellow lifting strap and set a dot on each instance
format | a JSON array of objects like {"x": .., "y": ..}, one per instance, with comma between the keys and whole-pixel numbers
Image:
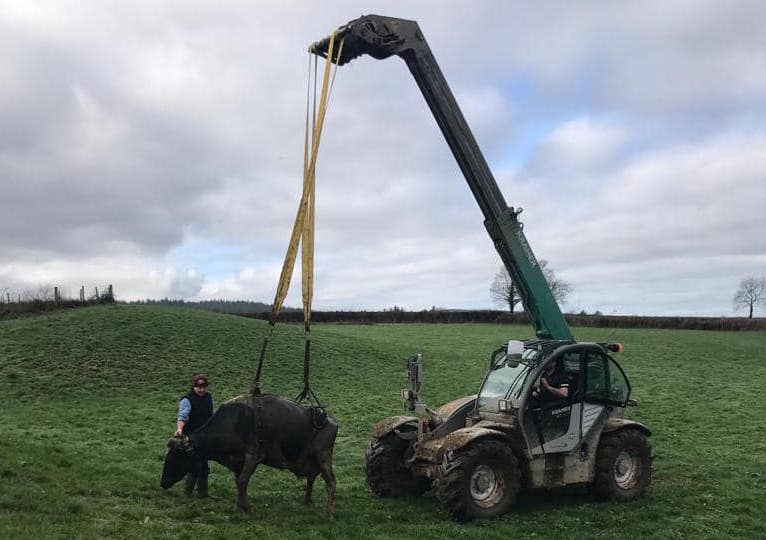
[{"x": 303, "y": 233}]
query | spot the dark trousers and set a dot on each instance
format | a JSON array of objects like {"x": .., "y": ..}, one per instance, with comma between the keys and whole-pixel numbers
[
  {"x": 198, "y": 478},
  {"x": 204, "y": 469}
]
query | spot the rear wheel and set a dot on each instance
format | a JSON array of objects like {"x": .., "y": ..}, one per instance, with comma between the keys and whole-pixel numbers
[
  {"x": 623, "y": 465},
  {"x": 478, "y": 481},
  {"x": 386, "y": 473}
]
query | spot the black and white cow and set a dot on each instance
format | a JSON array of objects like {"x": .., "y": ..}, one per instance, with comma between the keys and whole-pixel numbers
[{"x": 247, "y": 431}]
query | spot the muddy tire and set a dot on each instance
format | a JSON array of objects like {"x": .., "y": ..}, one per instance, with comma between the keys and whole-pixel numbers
[
  {"x": 623, "y": 465},
  {"x": 478, "y": 481},
  {"x": 386, "y": 473}
]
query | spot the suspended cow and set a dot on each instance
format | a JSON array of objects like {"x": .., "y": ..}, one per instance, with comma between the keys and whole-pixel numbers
[{"x": 247, "y": 431}]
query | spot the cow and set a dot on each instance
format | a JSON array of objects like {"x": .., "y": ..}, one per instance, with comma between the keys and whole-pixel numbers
[{"x": 265, "y": 429}]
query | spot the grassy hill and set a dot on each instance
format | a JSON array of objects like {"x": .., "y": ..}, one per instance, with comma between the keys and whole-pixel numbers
[{"x": 90, "y": 399}]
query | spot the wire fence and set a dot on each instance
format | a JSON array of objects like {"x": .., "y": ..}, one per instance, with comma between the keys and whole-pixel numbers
[{"x": 51, "y": 298}]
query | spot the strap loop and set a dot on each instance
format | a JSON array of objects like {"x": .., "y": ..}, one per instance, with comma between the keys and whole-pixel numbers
[{"x": 303, "y": 234}]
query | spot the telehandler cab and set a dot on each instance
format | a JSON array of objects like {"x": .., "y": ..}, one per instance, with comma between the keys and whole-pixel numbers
[{"x": 550, "y": 411}]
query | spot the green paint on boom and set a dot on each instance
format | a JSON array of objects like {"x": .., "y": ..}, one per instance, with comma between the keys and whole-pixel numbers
[{"x": 381, "y": 37}]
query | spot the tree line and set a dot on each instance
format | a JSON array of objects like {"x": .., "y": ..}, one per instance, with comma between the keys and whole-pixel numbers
[
  {"x": 503, "y": 292},
  {"x": 221, "y": 306}
]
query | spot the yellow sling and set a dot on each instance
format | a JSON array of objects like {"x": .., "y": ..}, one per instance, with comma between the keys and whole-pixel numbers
[{"x": 303, "y": 233}]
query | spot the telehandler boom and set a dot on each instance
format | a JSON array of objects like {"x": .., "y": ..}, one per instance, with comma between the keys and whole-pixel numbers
[{"x": 381, "y": 37}]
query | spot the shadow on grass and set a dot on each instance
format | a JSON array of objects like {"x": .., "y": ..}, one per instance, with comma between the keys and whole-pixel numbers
[{"x": 568, "y": 497}]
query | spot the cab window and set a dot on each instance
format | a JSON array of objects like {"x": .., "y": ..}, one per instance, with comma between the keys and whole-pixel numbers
[
  {"x": 597, "y": 382},
  {"x": 571, "y": 363},
  {"x": 605, "y": 380},
  {"x": 505, "y": 380},
  {"x": 619, "y": 388}
]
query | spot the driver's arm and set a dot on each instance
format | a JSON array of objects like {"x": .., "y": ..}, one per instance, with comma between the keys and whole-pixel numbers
[{"x": 562, "y": 392}]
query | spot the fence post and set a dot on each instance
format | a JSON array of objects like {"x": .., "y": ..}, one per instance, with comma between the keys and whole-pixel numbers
[
  {"x": 56, "y": 297},
  {"x": 8, "y": 296},
  {"x": 82, "y": 294},
  {"x": 96, "y": 292}
]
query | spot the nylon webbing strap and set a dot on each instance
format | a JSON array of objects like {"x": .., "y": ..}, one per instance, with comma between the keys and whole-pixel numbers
[
  {"x": 307, "y": 242},
  {"x": 302, "y": 233}
]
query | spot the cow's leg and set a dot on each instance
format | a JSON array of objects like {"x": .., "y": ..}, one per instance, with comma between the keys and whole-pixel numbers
[
  {"x": 325, "y": 467},
  {"x": 309, "y": 486},
  {"x": 191, "y": 481},
  {"x": 243, "y": 478}
]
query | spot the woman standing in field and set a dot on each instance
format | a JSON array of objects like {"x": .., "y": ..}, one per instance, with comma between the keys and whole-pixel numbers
[{"x": 194, "y": 409}]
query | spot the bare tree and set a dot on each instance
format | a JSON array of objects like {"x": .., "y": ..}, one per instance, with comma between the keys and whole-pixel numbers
[
  {"x": 559, "y": 288},
  {"x": 28, "y": 295},
  {"x": 751, "y": 291},
  {"x": 505, "y": 292},
  {"x": 46, "y": 293}
]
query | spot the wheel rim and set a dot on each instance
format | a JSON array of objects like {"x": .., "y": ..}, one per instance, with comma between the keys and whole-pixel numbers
[
  {"x": 626, "y": 469},
  {"x": 486, "y": 486}
]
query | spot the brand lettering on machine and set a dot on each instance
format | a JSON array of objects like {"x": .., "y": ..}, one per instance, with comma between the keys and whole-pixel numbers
[{"x": 526, "y": 248}]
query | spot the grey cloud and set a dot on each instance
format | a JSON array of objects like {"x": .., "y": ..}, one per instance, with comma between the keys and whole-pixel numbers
[
  {"x": 185, "y": 285},
  {"x": 580, "y": 149},
  {"x": 126, "y": 130},
  {"x": 696, "y": 201}
]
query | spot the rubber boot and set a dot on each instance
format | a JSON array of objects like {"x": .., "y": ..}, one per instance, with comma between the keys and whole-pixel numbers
[
  {"x": 202, "y": 486},
  {"x": 191, "y": 479}
]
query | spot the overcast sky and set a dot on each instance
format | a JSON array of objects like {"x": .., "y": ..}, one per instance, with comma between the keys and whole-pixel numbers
[{"x": 157, "y": 146}]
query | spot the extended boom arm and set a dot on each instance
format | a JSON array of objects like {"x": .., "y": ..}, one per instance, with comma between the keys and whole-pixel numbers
[{"x": 381, "y": 37}]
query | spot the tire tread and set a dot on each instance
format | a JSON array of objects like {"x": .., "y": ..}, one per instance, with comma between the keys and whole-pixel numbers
[
  {"x": 610, "y": 446},
  {"x": 454, "y": 474}
]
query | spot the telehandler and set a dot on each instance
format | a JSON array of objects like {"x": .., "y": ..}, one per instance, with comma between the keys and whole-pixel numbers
[{"x": 549, "y": 411}]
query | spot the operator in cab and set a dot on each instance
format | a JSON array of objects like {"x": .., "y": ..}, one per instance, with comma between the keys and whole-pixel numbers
[{"x": 554, "y": 384}]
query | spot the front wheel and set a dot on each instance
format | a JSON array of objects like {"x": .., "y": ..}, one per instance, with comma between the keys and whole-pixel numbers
[
  {"x": 387, "y": 475},
  {"x": 623, "y": 465},
  {"x": 478, "y": 481}
]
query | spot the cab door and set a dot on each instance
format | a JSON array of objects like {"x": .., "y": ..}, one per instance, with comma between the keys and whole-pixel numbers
[
  {"x": 606, "y": 386},
  {"x": 554, "y": 427}
]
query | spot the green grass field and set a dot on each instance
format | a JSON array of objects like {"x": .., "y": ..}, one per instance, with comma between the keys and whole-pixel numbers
[{"x": 89, "y": 401}]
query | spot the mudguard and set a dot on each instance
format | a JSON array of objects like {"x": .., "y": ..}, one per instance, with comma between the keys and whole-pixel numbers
[
  {"x": 436, "y": 448},
  {"x": 384, "y": 427},
  {"x": 618, "y": 424},
  {"x": 446, "y": 410}
]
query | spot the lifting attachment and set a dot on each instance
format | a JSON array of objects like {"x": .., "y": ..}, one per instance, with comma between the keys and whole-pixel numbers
[{"x": 303, "y": 233}]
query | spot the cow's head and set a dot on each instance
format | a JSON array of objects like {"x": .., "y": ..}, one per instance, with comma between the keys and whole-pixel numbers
[{"x": 179, "y": 461}]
